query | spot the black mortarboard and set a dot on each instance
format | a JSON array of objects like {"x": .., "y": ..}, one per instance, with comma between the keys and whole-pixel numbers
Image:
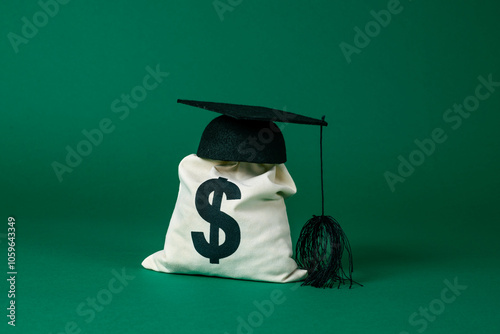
[{"x": 248, "y": 134}]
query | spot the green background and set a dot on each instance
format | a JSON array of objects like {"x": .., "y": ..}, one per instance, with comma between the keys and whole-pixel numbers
[{"x": 113, "y": 209}]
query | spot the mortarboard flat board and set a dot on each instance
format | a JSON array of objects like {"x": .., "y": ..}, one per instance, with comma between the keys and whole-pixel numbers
[{"x": 254, "y": 113}]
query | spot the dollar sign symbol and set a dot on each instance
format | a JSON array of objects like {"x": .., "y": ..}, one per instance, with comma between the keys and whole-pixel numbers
[{"x": 217, "y": 220}]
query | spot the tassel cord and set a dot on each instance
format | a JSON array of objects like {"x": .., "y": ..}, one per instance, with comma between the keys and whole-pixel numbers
[
  {"x": 321, "y": 166},
  {"x": 321, "y": 246}
]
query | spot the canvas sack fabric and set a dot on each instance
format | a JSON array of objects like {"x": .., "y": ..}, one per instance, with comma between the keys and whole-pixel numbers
[{"x": 230, "y": 220}]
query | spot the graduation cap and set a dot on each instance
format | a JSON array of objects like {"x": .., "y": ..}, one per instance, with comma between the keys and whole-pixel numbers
[
  {"x": 249, "y": 134},
  {"x": 246, "y": 133}
]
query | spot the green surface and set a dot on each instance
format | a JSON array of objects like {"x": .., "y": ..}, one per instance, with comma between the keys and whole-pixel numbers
[{"x": 113, "y": 208}]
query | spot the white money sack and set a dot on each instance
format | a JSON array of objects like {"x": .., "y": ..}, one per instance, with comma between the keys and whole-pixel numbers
[{"x": 230, "y": 220}]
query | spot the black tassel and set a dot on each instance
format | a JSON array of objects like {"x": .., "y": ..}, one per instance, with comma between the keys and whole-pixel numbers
[
  {"x": 321, "y": 246},
  {"x": 320, "y": 250}
]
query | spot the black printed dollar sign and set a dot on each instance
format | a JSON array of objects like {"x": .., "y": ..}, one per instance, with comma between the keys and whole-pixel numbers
[{"x": 217, "y": 219}]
